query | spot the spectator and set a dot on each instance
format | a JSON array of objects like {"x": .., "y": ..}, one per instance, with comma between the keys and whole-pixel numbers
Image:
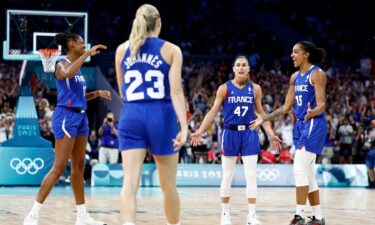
[
  {"x": 346, "y": 142},
  {"x": 3, "y": 129},
  {"x": 285, "y": 156},
  {"x": 200, "y": 151},
  {"x": 46, "y": 130},
  {"x": 267, "y": 156},
  {"x": 108, "y": 151},
  {"x": 94, "y": 143},
  {"x": 285, "y": 129},
  {"x": 327, "y": 154}
]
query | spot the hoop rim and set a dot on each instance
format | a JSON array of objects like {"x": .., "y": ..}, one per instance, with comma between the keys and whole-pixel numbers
[{"x": 48, "y": 52}]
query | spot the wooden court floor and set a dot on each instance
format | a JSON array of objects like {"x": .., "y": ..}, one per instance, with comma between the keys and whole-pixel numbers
[{"x": 199, "y": 206}]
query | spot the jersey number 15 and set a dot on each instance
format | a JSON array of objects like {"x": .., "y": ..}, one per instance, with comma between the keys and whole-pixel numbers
[{"x": 155, "y": 92}]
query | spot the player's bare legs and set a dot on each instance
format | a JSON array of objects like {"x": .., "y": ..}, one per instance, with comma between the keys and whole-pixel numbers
[
  {"x": 63, "y": 150},
  {"x": 78, "y": 166},
  {"x": 167, "y": 167},
  {"x": 301, "y": 195},
  {"x": 314, "y": 198},
  {"x": 132, "y": 161}
]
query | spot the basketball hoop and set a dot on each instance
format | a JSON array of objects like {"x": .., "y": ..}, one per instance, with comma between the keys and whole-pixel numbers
[{"x": 49, "y": 57}]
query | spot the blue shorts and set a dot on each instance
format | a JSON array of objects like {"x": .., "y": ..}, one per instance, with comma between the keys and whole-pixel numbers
[
  {"x": 150, "y": 125},
  {"x": 239, "y": 143},
  {"x": 311, "y": 134},
  {"x": 370, "y": 159},
  {"x": 69, "y": 123}
]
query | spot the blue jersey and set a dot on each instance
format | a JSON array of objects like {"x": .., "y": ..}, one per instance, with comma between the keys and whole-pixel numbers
[
  {"x": 238, "y": 109},
  {"x": 238, "y": 106},
  {"x": 147, "y": 107},
  {"x": 71, "y": 92},
  {"x": 312, "y": 133},
  {"x": 304, "y": 93},
  {"x": 146, "y": 75}
]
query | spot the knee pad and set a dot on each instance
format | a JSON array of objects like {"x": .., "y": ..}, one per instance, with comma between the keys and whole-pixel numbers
[
  {"x": 300, "y": 175},
  {"x": 226, "y": 183},
  {"x": 251, "y": 191},
  {"x": 251, "y": 184},
  {"x": 228, "y": 165},
  {"x": 313, "y": 184},
  {"x": 224, "y": 191}
]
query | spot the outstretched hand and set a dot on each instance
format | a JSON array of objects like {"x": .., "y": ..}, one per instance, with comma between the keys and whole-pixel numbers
[
  {"x": 257, "y": 122},
  {"x": 105, "y": 94},
  {"x": 95, "y": 49},
  {"x": 180, "y": 140},
  {"x": 196, "y": 138}
]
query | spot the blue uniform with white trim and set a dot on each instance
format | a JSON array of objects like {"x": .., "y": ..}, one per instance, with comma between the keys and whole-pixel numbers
[
  {"x": 238, "y": 109},
  {"x": 312, "y": 133},
  {"x": 148, "y": 119},
  {"x": 69, "y": 117}
]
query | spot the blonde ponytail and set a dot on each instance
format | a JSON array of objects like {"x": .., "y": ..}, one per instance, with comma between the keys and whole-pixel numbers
[{"x": 144, "y": 22}]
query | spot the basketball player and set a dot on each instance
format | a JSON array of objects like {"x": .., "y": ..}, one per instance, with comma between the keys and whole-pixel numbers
[
  {"x": 70, "y": 125},
  {"x": 148, "y": 73},
  {"x": 307, "y": 94},
  {"x": 240, "y": 98}
]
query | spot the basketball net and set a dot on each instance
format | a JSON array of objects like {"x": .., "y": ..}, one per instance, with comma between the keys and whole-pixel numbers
[{"x": 49, "y": 57}]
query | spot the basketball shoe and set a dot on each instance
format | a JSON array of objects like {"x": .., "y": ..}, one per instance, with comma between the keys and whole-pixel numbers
[
  {"x": 30, "y": 220},
  {"x": 297, "y": 220},
  {"x": 252, "y": 220},
  {"x": 314, "y": 221},
  {"x": 87, "y": 220},
  {"x": 225, "y": 218}
]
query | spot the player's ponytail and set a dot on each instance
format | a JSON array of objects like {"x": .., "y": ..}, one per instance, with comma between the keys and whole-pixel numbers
[
  {"x": 60, "y": 39},
  {"x": 317, "y": 55},
  {"x": 144, "y": 22},
  {"x": 63, "y": 39}
]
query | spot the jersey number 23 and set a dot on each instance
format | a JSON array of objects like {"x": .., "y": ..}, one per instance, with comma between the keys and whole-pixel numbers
[{"x": 134, "y": 77}]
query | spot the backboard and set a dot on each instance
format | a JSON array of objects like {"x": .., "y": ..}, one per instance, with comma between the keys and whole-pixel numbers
[{"x": 27, "y": 31}]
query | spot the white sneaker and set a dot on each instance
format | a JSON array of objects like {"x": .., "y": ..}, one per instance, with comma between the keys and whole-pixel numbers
[
  {"x": 87, "y": 220},
  {"x": 225, "y": 218},
  {"x": 252, "y": 220},
  {"x": 30, "y": 220}
]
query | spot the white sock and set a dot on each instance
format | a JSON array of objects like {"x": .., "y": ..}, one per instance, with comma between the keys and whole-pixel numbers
[
  {"x": 225, "y": 207},
  {"x": 300, "y": 210},
  {"x": 317, "y": 212},
  {"x": 252, "y": 210},
  {"x": 128, "y": 223},
  {"x": 81, "y": 210},
  {"x": 36, "y": 208}
]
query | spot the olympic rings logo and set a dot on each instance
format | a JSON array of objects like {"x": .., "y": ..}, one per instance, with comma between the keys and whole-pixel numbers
[
  {"x": 26, "y": 165},
  {"x": 15, "y": 51},
  {"x": 268, "y": 174}
]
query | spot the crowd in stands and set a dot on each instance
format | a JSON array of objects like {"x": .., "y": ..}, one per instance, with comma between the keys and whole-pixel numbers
[
  {"x": 328, "y": 23},
  {"x": 245, "y": 28},
  {"x": 350, "y": 67},
  {"x": 350, "y": 107},
  {"x": 9, "y": 90}
]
